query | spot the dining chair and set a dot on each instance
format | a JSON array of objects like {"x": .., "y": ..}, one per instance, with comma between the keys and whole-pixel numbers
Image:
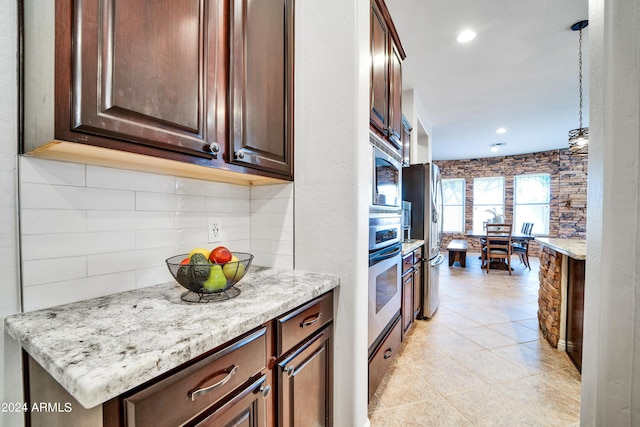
[
  {"x": 498, "y": 245},
  {"x": 521, "y": 248}
]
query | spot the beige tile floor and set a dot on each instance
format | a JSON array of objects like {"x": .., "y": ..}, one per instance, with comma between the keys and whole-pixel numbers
[{"x": 480, "y": 361}]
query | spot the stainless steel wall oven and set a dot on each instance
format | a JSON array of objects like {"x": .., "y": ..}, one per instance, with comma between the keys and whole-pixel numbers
[{"x": 385, "y": 273}]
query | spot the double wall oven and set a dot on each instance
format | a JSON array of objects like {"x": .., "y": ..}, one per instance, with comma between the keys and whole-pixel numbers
[{"x": 385, "y": 235}]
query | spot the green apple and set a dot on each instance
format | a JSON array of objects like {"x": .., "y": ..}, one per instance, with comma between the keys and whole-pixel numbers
[
  {"x": 233, "y": 269},
  {"x": 217, "y": 280}
]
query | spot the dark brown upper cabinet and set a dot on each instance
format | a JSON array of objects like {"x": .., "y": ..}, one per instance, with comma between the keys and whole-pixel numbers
[
  {"x": 179, "y": 80},
  {"x": 387, "y": 55},
  {"x": 262, "y": 84}
]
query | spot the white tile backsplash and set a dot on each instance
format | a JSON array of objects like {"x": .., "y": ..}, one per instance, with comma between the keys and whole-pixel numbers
[
  {"x": 41, "y": 171},
  {"x": 88, "y": 231},
  {"x": 73, "y": 197},
  {"x": 102, "y": 177},
  {"x": 129, "y": 220},
  {"x": 44, "y": 221},
  {"x": 67, "y": 291},
  {"x": 38, "y": 272}
]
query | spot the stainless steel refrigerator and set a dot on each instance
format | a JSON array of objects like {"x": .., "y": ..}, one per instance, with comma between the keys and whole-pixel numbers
[{"x": 422, "y": 186}]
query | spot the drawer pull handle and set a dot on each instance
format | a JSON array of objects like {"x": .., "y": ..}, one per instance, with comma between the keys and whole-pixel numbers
[
  {"x": 265, "y": 390},
  {"x": 388, "y": 353},
  {"x": 289, "y": 370},
  {"x": 310, "y": 320},
  {"x": 199, "y": 392}
]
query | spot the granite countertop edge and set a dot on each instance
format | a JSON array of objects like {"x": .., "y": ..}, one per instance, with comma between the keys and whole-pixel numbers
[
  {"x": 410, "y": 246},
  {"x": 573, "y": 248},
  {"x": 100, "y": 348}
]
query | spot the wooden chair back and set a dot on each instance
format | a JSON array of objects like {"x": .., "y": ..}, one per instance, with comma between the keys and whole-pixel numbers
[{"x": 498, "y": 243}]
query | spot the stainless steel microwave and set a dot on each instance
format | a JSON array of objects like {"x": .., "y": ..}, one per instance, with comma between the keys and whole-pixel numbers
[{"x": 386, "y": 177}]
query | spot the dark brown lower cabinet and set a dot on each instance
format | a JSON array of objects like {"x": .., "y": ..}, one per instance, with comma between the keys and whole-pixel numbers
[
  {"x": 305, "y": 383},
  {"x": 278, "y": 374},
  {"x": 407, "y": 302},
  {"x": 417, "y": 287},
  {"x": 383, "y": 355},
  {"x": 246, "y": 408},
  {"x": 575, "y": 311}
]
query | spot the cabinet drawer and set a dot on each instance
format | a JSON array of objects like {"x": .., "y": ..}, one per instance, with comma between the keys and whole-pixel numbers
[
  {"x": 407, "y": 263},
  {"x": 303, "y": 321},
  {"x": 193, "y": 389},
  {"x": 383, "y": 357},
  {"x": 417, "y": 255}
]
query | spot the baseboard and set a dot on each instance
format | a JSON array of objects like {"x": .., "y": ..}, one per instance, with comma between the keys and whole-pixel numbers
[{"x": 562, "y": 345}]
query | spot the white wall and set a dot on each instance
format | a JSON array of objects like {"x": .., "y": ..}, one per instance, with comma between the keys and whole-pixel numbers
[
  {"x": 414, "y": 111},
  {"x": 10, "y": 370},
  {"x": 611, "y": 359},
  {"x": 332, "y": 171}
]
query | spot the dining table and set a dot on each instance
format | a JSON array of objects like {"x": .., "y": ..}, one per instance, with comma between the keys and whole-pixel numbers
[{"x": 515, "y": 237}]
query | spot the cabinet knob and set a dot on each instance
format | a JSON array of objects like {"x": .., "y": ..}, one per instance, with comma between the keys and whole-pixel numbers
[
  {"x": 214, "y": 148},
  {"x": 289, "y": 370},
  {"x": 388, "y": 353},
  {"x": 240, "y": 154},
  {"x": 265, "y": 390}
]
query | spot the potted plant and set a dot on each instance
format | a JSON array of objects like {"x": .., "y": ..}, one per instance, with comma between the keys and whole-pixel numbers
[{"x": 497, "y": 218}]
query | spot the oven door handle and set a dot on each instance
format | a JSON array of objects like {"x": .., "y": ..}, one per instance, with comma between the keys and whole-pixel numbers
[{"x": 387, "y": 253}]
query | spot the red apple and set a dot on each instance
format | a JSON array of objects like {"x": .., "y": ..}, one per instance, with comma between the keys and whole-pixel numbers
[{"x": 220, "y": 255}]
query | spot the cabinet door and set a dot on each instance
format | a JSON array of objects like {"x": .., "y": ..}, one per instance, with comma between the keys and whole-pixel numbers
[
  {"x": 417, "y": 289},
  {"x": 304, "y": 386},
  {"x": 406, "y": 142},
  {"x": 575, "y": 311},
  {"x": 379, "y": 91},
  {"x": 247, "y": 408},
  {"x": 395, "y": 97},
  {"x": 407, "y": 303},
  {"x": 151, "y": 73},
  {"x": 261, "y": 100}
]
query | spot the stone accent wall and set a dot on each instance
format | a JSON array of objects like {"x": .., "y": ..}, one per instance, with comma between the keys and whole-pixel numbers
[
  {"x": 549, "y": 295},
  {"x": 568, "y": 173},
  {"x": 572, "y": 221}
]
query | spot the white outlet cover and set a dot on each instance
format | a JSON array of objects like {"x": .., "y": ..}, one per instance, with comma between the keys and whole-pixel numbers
[{"x": 214, "y": 230}]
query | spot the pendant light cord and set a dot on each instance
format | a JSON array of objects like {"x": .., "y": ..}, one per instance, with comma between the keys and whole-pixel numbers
[{"x": 580, "y": 74}]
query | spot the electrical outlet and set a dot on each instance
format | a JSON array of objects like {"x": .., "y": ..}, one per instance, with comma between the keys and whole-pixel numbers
[{"x": 214, "y": 230}]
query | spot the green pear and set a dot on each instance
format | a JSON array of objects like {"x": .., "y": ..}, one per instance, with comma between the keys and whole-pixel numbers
[{"x": 217, "y": 281}]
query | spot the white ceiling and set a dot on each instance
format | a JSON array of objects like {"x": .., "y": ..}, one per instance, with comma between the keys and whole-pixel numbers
[{"x": 519, "y": 73}]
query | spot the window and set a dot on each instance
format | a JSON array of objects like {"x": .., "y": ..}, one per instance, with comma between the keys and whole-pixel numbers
[
  {"x": 532, "y": 194},
  {"x": 488, "y": 197},
  {"x": 453, "y": 215}
]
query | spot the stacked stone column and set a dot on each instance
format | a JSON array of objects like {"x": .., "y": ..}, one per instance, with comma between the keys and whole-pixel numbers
[{"x": 549, "y": 295}]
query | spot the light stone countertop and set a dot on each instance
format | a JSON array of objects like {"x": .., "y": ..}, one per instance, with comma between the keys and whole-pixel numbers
[
  {"x": 99, "y": 348},
  {"x": 411, "y": 245},
  {"x": 573, "y": 248}
]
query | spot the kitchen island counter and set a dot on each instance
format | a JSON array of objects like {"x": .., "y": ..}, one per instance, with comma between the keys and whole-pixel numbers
[
  {"x": 573, "y": 248},
  {"x": 561, "y": 295},
  {"x": 100, "y": 348}
]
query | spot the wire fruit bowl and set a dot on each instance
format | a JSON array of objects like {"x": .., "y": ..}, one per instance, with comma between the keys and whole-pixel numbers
[{"x": 208, "y": 281}]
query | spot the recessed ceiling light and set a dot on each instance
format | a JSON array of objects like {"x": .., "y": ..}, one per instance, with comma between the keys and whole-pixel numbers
[
  {"x": 501, "y": 131},
  {"x": 466, "y": 36}
]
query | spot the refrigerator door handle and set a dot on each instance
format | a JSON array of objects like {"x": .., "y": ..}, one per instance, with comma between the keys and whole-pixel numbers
[{"x": 439, "y": 260}]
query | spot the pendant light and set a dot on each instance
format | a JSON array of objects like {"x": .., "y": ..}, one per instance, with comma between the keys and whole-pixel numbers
[{"x": 579, "y": 138}]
